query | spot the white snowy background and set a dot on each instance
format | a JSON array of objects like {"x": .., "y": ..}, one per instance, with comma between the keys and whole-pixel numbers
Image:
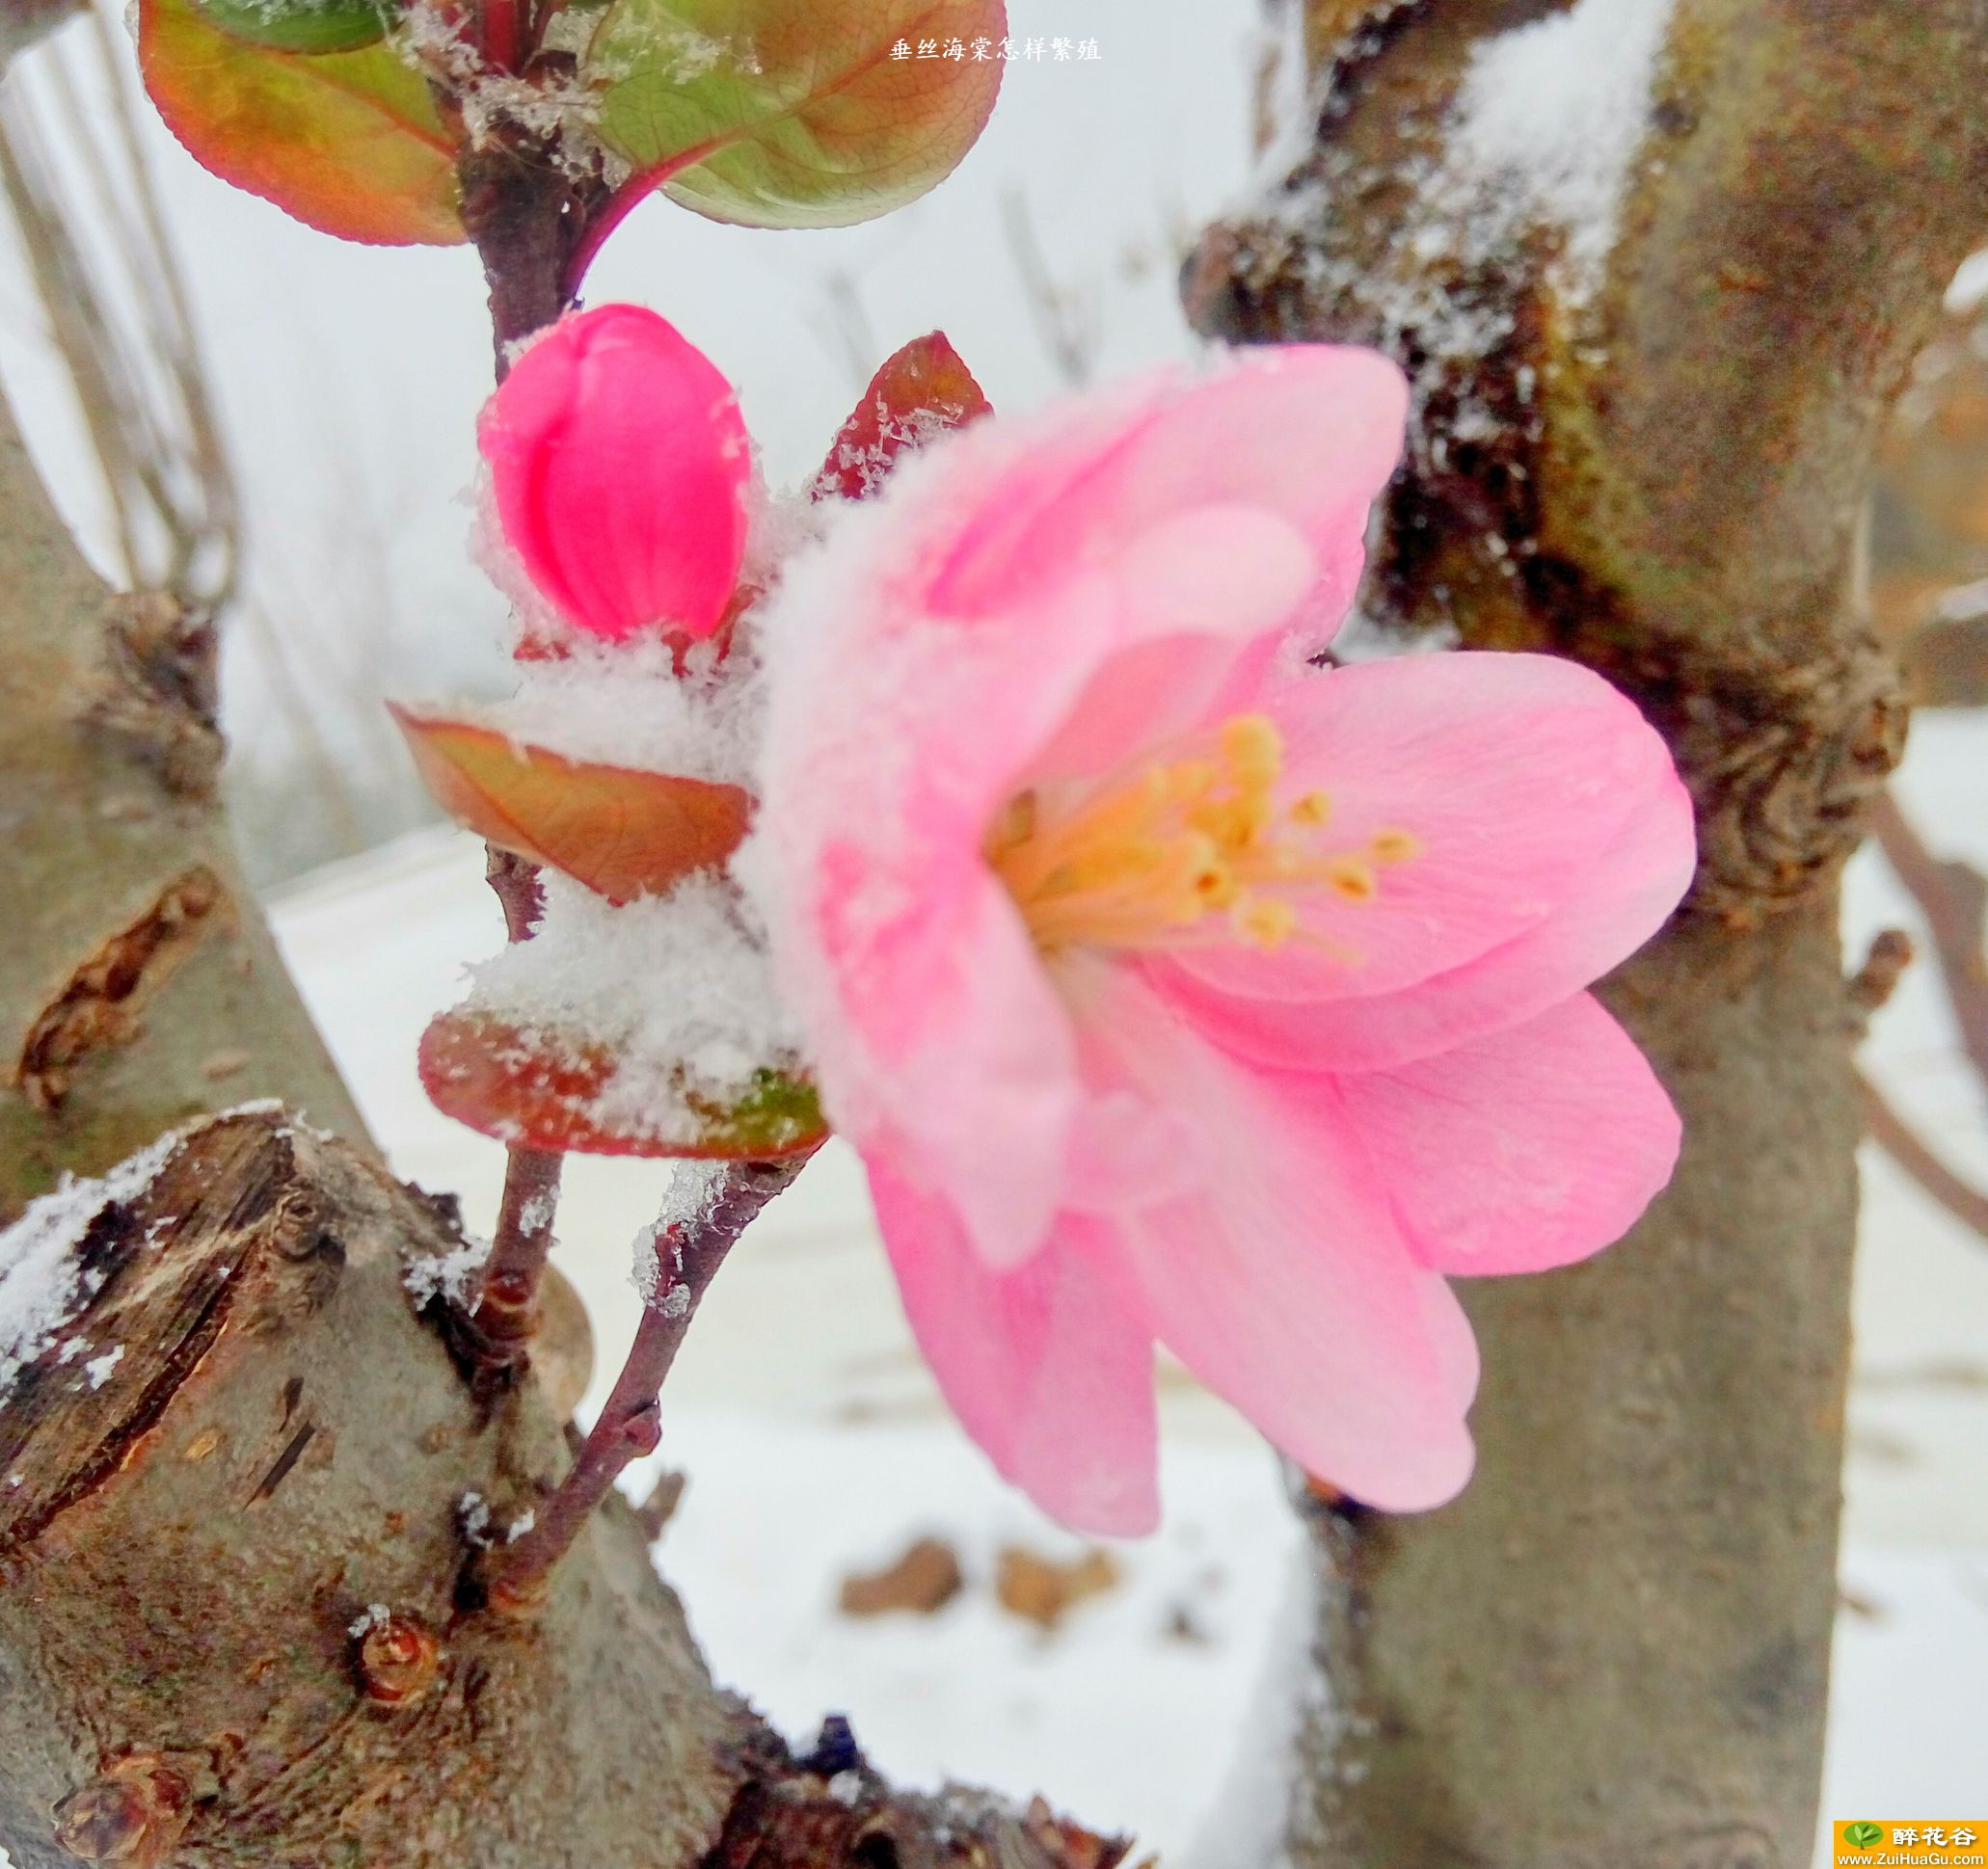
[{"x": 348, "y": 381}]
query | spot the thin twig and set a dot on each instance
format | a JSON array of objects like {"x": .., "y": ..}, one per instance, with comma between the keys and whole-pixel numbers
[
  {"x": 1901, "y": 1143},
  {"x": 507, "y": 1303},
  {"x": 629, "y": 1426},
  {"x": 1955, "y": 898}
]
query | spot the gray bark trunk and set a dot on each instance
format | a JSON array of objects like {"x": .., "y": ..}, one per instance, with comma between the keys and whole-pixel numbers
[{"x": 1612, "y": 1652}]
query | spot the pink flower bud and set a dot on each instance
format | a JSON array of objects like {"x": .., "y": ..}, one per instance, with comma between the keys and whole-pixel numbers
[{"x": 620, "y": 463}]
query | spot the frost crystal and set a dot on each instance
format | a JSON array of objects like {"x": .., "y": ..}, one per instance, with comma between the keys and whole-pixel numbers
[
  {"x": 448, "y": 1275},
  {"x": 686, "y": 1206},
  {"x": 472, "y": 1515}
]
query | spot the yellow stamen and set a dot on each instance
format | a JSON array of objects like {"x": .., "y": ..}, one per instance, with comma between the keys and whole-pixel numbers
[
  {"x": 1394, "y": 845},
  {"x": 1184, "y": 851},
  {"x": 1263, "y": 921}
]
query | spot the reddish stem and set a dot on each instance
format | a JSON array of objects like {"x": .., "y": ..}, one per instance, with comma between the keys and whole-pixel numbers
[
  {"x": 504, "y": 34},
  {"x": 630, "y": 1424},
  {"x": 507, "y": 1303}
]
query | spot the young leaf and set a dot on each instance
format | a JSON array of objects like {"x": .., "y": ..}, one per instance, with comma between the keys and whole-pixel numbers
[
  {"x": 621, "y": 832},
  {"x": 544, "y": 1090},
  {"x": 921, "y": 392},
  {"x": 309, "y": 26},
  {"x": 349, "y": 143},
  {"x": 793, "y": 112}
]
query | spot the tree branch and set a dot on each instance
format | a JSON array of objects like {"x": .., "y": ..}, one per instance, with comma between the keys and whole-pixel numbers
[
  {"x": 1902, "y": 1143},
  {"x": 1954, "y": 900},
  {"x": 630, "y": 1427}
]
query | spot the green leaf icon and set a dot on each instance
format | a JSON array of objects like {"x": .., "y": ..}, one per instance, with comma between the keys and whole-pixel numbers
[{"x": 1862, "y": 1835}]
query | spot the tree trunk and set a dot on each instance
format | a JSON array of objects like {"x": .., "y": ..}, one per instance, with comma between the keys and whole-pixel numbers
[
  {"x": 140, "y": 984},
  {"x": 239, "y": 1623},
  {"x": 1612, "y": 1652}
]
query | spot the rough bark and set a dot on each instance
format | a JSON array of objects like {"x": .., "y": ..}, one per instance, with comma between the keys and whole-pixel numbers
[
  {"x": 239, "y": 1623},
  {"x": 1612, "y": 1652},
  {"x": 139, "y": 985}
]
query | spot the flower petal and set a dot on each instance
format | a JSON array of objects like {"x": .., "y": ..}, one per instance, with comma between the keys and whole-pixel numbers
[
  {"x": 1287, "y": 1285},
  {"x": 949, "y": 1035},
  {"x": 1534, "y": 1148},
  {"x": 1046, "y": 1366},
  {"x": 1306, "y": 431},
  {"x": 620, "y": 463},
  {"x": 1511, "y": 775},
  {"x": 1620, "y": 903}
]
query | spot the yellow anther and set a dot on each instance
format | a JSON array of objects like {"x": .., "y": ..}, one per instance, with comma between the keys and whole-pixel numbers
[
  {"x": 1183, "y": 851},
  {"x": 1252, "y": 749},
  {"x": 1263, "y": 921},
  {"x": 1352, "y": 878},
  {"x": 1394, "y": 845}
]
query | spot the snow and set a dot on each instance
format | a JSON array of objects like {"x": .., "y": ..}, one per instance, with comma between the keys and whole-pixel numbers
[
  {"x": 375, "y": 1616},
  {"x": 43, "y": 1282},
  {"x": 693, "y": 1187},
  {"x": 448, "y": 1275},
  {"x": 675, "y": 987},
  {"x": 1549, "y": 121},
  {"x": 627, "y": 705}
]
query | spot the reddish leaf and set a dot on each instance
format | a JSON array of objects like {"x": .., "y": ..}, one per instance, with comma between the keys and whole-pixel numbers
[
  {"x": 544, "y": 1090},
  {"x": 924, "y": 391},
  {"x": 348, "y": 142},
  {"x": 621, "y": 832}
]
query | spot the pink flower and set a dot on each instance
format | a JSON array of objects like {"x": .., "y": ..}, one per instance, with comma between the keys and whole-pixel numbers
[
  {"x": 1175, "y": 990},
  {"x": 620, "y": 464}
]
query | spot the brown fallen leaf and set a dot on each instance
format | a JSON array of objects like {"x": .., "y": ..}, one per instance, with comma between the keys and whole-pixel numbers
[
  {"x": 1042, "y": 1592},
  {"x": 924, "y": 1579}
]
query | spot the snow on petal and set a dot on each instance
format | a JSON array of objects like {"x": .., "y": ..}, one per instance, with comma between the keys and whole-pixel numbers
[{"x": 1058, "y": 831}]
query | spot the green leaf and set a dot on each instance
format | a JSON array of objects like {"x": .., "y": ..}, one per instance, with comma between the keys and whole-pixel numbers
[
  {"x": 794, "y": 112},
  {"x": 1862, "y": 1835},
  {"x": 621, "y": 831},
  {"x": 309, "y": 26},
  {"x": 349, "y": 143},
  {"x": 545, "y": 1090}
]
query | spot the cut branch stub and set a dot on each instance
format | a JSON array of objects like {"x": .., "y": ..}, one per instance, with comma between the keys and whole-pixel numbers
[
  {"x": 545, "y": 1090},
  {"x": 621, "y": 831}
]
